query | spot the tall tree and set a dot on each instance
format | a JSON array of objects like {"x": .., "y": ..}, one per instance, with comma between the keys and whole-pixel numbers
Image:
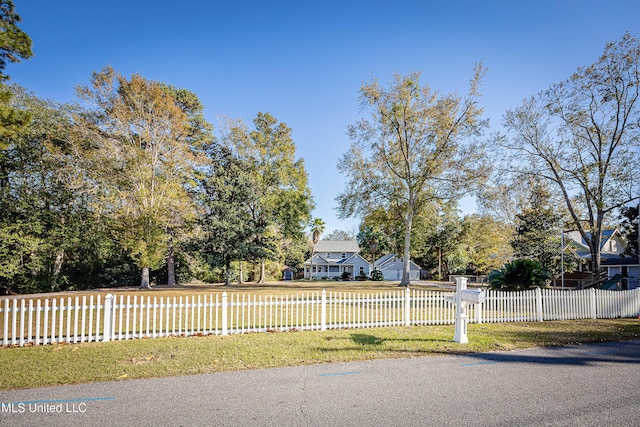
[
  {"x": 442, "y": 237},
  {"x": 199, "y": 137},
  {"x": 582, "y": 135},
  {"x": 389, "y": 225},
  {"x": 486, "y": 241},
  {"x": 231, "y": 232},
  {"x": 137, "y": 151},
  {"x": 414, "y": 150},
  {"x": 317, "y": 228},
  {"x": 283, "y": 199},
  {"x": 373, "y": 242},
  {"x": 33, "y": 195},
  {"x": 538, "y": 231},
  {"x": 51, "y": 240},
  {"x": 15, "y": 45},
  {"x": 629, "y": 229}
]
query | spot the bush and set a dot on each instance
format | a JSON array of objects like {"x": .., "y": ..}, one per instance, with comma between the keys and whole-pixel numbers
[
  {"x": 377, "y": 276},
  {"x": 346, "y": 276},
  {"x": 361, "y": 277},
  {"x": 520, "y": 274}
]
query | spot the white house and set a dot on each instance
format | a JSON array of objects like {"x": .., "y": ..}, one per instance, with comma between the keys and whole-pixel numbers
[
  {"x": 611, "y": 256},
  {"x": 331, "y": 258},
  {"x": 392, "y": 268}
]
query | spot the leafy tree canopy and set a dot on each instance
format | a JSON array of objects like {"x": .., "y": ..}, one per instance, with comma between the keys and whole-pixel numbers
[
  {"x": 15, "y": 45},
  {"x": 629, "y": 229},
  {"x": 415, "y": 148},
  {"x": 339, "y": 235}
]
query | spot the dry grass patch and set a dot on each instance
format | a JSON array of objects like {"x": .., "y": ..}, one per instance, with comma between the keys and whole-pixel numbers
[{"x": 271, "y": 288}]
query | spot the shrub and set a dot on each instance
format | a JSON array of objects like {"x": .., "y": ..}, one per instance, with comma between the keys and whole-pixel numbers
[
  {"x": 519, "y": 274},
  {"x": 377, "y": 276}
]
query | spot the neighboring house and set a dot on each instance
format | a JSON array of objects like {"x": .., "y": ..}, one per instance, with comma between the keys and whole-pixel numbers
[
  {"x": 331, "y": 258},
  {"x": 392, "y": 268},
  {"x": 611, "y": 256}
]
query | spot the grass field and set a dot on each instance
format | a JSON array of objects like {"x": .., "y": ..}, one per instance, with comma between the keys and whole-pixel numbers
[{"x": 270, "y": 288}]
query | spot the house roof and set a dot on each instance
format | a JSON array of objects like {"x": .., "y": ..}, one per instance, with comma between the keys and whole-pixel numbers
[
  {"x": 606, "y": 236},
  {"x": 320, "y": 260},
  {"x": 384, "y": 259},
  {"x": 337, "y": 246},
  {"x": 610, "y": 258},
  {"x": 389, "y": 262},
  {"x": 620, "y": 261}
]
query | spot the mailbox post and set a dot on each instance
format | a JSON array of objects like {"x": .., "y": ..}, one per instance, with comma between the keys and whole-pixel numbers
[{"x": 464, "y": 297}]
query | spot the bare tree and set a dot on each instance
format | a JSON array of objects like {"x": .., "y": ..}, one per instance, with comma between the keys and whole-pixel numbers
[{"x": 583, "y": 135}]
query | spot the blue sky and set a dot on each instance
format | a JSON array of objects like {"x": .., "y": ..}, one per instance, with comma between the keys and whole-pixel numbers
[{"x": 304, "y": 61}]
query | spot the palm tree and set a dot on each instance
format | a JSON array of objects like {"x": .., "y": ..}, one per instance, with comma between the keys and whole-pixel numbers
[{"x": 317, "y": 227}]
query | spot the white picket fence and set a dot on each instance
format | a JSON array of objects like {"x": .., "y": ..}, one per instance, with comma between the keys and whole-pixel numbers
[{"x": 87, "y": 319}]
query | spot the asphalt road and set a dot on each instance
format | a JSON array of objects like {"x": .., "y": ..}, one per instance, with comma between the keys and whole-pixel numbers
[{"x": 588, "y": 385}]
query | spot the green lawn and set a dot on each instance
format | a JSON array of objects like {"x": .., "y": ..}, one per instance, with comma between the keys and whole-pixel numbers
[{"x": 40, "y": 366}]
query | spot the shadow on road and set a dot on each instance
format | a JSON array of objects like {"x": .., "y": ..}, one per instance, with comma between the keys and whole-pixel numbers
[{"x": 624, "y": 352}]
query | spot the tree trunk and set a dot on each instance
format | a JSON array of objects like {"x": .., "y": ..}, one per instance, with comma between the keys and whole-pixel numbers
[
  {"x": 145, "y": 278},
  {"x": 439, "y": 263},
  {"x": 57, "y": 265},
  {"x": 227, "y": 273},
  {"x": 406, "y": 261},
  {"x": 241, "y": 267},
  {"x": 262, "y": 279},
  {"x": 595, "y": 252},
  {"x": 171, "y": 264},
  {"x": 57, "y": 268}
]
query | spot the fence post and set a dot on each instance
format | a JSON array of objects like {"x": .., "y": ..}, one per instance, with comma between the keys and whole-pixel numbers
[
  {"x": 478, "y": 311},
  {"x": 592, "y": 304},
  {"x": 225, "y": 305},
  {"x": 323, "y": 311},
  {"x": 7, "y": 314},
  {"x": 108, "y": 327},
  {"x": 407, "y": 306},
  {"x": 539, "y": 314},
  {"x": 460, "y": 334}
]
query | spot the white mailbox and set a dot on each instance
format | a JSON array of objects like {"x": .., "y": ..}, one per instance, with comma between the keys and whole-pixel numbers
[
  {"x": 473, "y": 296},
  {"x": 463, "y": 297}
]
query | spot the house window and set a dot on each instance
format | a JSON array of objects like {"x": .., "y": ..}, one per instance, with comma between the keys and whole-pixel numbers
[
  {"x": 361, "y": 270},
  {"x": 328, "y": 254},
  {"x": 344, "y": 255}
]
